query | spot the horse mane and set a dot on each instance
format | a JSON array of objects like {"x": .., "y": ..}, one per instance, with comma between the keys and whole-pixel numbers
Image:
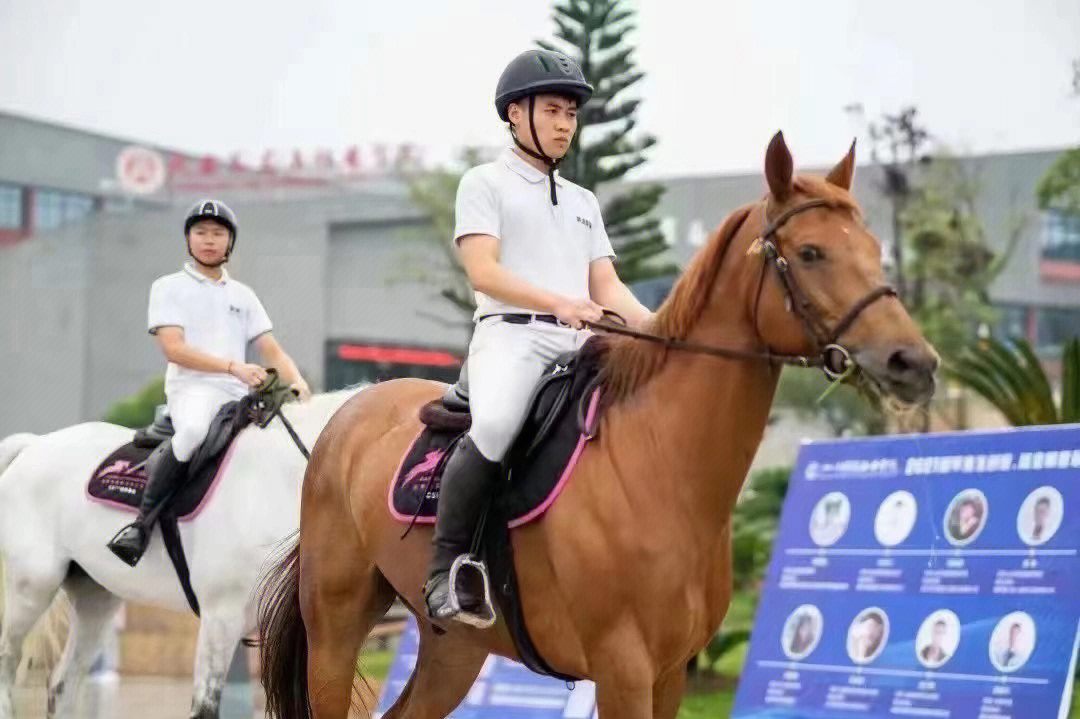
[{"x": 627, "y": 362}]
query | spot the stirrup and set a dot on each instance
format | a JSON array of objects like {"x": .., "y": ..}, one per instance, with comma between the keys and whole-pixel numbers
[
  {"x": 124, "y": 551},
  {"x": 481, "y": 621}
]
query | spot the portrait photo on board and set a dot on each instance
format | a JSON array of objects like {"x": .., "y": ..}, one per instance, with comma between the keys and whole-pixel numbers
[
  {"x": 1040, "y": 516},
  {"x": 1012, "y": 641},
  {"x": 867, "y": 635},
  {"x": 802, "y": 631},
  {"x": 938, "y": 638},
  {"x": 966, "y": 517},
  {"x": 830, "y": 517},
  {"x": 895, "y": 518}
]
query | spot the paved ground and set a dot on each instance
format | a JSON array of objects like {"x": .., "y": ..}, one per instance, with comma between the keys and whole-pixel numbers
[{"x": 143, "y": 697}]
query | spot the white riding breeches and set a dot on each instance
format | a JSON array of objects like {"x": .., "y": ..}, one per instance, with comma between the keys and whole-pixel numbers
[
  {"x": 506, "y": 362},
  {"x": 192, "y": 409}
]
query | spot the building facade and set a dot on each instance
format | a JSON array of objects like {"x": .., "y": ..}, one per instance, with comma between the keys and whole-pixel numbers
[{"x": 347, "y": 265}]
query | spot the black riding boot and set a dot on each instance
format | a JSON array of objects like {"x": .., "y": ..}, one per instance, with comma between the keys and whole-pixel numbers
[
  {"x": 165, "y": 469},
  {"x": 467, "y": 483}
]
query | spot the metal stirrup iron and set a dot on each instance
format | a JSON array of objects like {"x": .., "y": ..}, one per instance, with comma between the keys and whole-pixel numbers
[{"x": 481, "y": 621}]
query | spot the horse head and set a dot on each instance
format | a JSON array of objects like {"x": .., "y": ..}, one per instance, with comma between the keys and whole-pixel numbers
[{"x": 821, "y": 290}]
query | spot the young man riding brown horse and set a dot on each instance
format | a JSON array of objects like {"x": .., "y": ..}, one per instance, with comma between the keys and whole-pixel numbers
[
  {"x": 627, "y": 575},
  {"x": 534, "y": 248}
]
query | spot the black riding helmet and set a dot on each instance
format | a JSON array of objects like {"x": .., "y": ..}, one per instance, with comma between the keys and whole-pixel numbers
[
  {"x": 533, "y": 73},
  {"x": 216, "y": 211}
]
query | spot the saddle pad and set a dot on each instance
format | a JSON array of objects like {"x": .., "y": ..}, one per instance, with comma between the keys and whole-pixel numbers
[
  {"x": 122, "y": 486},
  {"x": 120, "y": 480},
  {"x": 414, "y": 493}
]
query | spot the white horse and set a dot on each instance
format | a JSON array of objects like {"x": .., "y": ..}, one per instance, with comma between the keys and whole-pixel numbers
[{"x": 52, "y": 537}]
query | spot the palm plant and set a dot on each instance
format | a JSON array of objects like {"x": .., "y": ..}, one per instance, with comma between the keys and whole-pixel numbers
[{"x": 1009, "y": 376}]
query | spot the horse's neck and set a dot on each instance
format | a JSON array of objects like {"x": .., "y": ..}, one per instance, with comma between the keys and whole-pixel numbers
[
  {"x": 701, "y": 421},
  {"x": 273, "y": 453},
  {"x": 698, "y": 422}
]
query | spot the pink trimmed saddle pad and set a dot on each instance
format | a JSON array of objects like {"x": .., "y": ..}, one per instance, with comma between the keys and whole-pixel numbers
[
  {"x": 534, "y": 482},
  {"x": 119, "y": 482}
]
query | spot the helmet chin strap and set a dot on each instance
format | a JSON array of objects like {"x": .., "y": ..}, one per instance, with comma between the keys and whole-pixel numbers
[{"x": 539, "y": 154}]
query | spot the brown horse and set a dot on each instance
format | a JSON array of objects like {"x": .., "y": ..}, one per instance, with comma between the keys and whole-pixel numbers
[{"x": 628, "y": 575}]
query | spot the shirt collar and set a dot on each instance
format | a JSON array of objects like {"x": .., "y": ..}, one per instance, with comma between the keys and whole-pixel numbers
[
  {"x": 189, "y": 268},
  {"x": 527, "y": 171}
]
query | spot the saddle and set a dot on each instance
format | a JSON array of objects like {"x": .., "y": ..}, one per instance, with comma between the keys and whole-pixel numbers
[
  {"x": 121, "y": 478},
  {"x": 557, "y": 420},
  {"x": 561, "y": 420}
]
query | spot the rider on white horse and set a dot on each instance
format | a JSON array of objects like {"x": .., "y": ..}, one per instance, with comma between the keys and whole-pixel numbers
[{"x": 203, "y": 321}]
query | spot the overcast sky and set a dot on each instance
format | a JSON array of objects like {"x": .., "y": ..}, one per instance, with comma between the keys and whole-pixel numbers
[{"x": 220, "y": 76}]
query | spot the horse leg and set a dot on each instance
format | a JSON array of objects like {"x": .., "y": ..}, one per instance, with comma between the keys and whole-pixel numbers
[
  {"x": 668, "y": 693},
  {"x": 446, "y": 667},
  {"x": 94, "y": 609},
  {"x": 220, "y": 630},
  {"x": 29, "y": 588},
  {"x": 341, "y": 598},
  {"x": 624, "y": 676}
]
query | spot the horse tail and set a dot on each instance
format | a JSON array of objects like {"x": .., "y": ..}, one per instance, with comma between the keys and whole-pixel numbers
[
  {"x": 283, "y": 640},
  {"x": 11, "y": 446}
]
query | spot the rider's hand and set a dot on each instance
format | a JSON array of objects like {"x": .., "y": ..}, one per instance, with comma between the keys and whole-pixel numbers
[
  {"x": 300, "y": 387},
  {"x": 250, "y": 374},
  {"x": 577, "y": 312}
]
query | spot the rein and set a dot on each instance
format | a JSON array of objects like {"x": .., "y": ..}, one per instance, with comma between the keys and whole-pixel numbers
[
  {"x": 267, "y": 400},
  {"x": 834, "y": 359}
]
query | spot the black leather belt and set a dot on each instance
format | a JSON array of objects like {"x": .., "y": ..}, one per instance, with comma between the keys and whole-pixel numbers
[{"x": 521, "y": 318}]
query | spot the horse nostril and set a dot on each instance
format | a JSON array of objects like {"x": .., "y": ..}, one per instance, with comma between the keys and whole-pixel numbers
[
  {"x": 898, "y": 363},
  {"x": 909, "y": 360}
]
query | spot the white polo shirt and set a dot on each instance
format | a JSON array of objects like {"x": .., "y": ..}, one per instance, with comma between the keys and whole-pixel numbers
[
  {"x": 218, "y": 317},
  {"x": 549, "y": 246}
]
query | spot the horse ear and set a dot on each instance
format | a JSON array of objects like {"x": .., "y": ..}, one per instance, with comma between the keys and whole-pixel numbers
[
  {"x": 845, "y": 169},
  {"x": 779, "y": 168}
]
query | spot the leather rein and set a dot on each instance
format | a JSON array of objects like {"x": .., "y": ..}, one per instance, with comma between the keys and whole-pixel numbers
[{"x": 834, "y": 359}]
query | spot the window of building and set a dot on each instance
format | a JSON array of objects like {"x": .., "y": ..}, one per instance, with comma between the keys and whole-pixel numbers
[
  {"x": 1061, "y": 236},
  {"x": 77, "y": 207},
  {"x": 350, "y": 363},
  {"x": 11, "y": 207},
  {"x": 1058, "y": 326},
  {"x": 53, "y": 208},
  {"x": 1012, "y": 321}
]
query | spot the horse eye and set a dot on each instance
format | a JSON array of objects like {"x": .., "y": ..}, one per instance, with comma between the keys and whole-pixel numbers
[{"x": 810, "y": 253}]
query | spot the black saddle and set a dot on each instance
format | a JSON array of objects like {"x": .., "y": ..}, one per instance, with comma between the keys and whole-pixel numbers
[
  {"x": 564, "y": 386},
  {"x": 536, "y": 467},
  {"x": 121, "y": 478}
]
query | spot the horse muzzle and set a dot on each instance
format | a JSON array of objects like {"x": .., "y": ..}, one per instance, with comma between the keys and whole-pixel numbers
[{"x": 905, "y": 371}]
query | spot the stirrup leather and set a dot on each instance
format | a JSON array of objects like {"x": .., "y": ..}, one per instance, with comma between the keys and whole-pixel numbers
[{"x": 481, "y": 621}]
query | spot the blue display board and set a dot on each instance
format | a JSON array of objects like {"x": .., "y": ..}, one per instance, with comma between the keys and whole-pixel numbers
[
  {"x": 504, "y": 689},
  {"x": 928, "y": 576}
]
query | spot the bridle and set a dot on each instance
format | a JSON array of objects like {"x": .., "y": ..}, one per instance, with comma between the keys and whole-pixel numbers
[{"x": 834, "y": 359}]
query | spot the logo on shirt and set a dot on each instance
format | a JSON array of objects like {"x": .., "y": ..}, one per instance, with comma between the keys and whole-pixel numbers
[
  {"x": 587, "y": 223},
  {"x": 234, "y": 308}
]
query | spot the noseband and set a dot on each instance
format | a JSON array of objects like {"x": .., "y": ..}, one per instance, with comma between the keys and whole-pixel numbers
[{"x": 834, "y": 359}]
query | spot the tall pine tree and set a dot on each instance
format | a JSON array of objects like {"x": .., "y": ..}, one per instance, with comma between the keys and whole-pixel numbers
[{"x": 605, "y": 148}]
